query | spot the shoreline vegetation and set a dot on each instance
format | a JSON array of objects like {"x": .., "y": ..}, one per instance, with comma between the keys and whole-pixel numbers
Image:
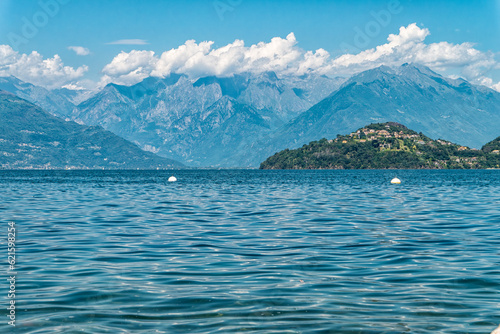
[{"x": 387, "y": 145}]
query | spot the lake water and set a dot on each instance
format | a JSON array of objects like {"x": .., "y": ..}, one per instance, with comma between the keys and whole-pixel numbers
[{"x": 250, "y": 251}]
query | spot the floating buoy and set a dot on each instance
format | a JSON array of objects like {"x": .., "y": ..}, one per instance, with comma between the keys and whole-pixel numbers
[
  {"x": 395, "y": 181},
  {"x": 172, "y": 179},
  {"x": 496, "y": 331}
]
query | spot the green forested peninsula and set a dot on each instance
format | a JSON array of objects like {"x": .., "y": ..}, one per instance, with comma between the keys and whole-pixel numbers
[{"x": 385, "y": 146}]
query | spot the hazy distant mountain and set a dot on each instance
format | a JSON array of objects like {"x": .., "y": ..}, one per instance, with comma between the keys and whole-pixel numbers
[
  {"x": 58, "y": 102},
  {"x": 240, "y": 120},
  {"x": 32, "y": 138},
  {"x": 227, "y": 131},
  {"x": 185, "y": 119},
  {"x": 412, "y": 95}
]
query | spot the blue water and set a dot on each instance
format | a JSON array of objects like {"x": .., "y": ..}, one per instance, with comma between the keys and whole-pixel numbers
[{"x": 253, "y": 251}]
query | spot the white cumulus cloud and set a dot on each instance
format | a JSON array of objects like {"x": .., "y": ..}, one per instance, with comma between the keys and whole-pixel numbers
[
  {"x": 186, "y": 57},
  {"x": 281, "y": 55},
  {"x": 129, "y": 67},
  {"x": 285, "y": 57},
  {"x": 79, "y": 50},
  {"x": 409, "y": 47},
  {"x": 33, "y": 68},
  {"x": 496, "y": 86}
]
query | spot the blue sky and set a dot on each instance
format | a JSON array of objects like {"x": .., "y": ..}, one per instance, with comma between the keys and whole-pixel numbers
[{"x": 333, "y": 26}]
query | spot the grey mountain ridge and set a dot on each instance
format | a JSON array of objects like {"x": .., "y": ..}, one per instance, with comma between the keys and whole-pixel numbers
[
  {"x": 241, "y": 120},
  {"x": 184, "y": 119},
  {"x": 423, "y": 100},
  {"x": 32, "y": 138},
  {"x": 58, "y": 102}
]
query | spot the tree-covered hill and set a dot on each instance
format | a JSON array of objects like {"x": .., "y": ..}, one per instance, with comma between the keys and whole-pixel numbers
[{"x": 385, "y": 146}]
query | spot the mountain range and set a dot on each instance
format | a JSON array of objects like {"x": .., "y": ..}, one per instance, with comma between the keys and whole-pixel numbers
[
  {"x": 58, "y": 102},
  {"x": 241, "y": 120},
  {"x": 412, "y": 95},
  {"x": 205, "y": 122},
  {"x": 32, "y": 138}
]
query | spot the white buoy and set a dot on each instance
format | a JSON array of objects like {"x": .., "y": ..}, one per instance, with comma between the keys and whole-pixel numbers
[
  {"x": 172, "y": 179},
  {"x": 395, "y": 181}
]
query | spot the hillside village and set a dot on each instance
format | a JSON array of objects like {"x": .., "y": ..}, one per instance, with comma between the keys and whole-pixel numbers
[
  {"x": 382, "y": 146},
  {"x": 369, "y": 134}
]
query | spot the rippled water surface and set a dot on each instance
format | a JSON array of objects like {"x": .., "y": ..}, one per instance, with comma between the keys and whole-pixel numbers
[{"x": 249, "y": 251}]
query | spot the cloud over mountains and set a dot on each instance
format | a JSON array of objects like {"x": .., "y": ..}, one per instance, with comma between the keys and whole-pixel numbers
[
  {"x": 33, "y": 68},
  {"x": 408, "y": 47},
  {"x": 281, "y": 55},
  {"x": 284, "y": 56}
]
